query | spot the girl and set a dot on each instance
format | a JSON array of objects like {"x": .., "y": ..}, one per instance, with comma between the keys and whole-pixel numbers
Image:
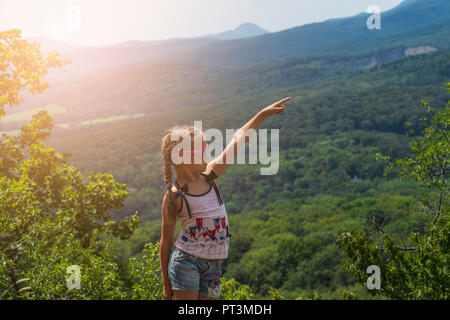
[{"x": 195, "y": 267}]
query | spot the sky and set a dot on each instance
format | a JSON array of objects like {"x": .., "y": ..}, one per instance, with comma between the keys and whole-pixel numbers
[{"x": 106, "y": 22}]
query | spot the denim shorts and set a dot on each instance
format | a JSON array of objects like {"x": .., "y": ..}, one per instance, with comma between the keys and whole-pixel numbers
[{"x": 191, "y": 273}]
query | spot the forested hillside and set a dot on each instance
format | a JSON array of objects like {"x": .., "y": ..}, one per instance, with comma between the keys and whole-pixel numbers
[
  {"x": 91, "y": 195},
  {"x": 335, "y": 126},
  {"x": 328, "y": 140}
]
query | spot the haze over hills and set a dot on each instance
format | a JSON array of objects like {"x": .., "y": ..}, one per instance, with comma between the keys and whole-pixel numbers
[
  {"x": 245, "y": 30},
  {"x": 90, "y": 59},
  {"x": 412, "y": 23},
  {"x": 128, "y": 78},
  {"x": 97, "y": 58}
]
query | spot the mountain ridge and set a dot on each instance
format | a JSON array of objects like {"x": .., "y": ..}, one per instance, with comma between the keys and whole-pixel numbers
[
  {"x": 244, "y": 30},
  {"x": 329, "y": 36}
]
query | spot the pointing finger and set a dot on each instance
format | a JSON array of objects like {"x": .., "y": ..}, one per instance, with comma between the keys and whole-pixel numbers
[{"x": 284, "y": 100}]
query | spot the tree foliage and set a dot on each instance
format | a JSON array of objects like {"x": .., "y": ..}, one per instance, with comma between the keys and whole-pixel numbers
[
  {"x": 419, "y": 271},
  {"x": 50, "y": 217},
  {"x": 22, "y": 66}
]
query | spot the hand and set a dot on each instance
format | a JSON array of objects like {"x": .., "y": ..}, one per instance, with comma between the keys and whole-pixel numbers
[
  {"x": 167, "y": 292},
  {"x": 275, "y": 108}
]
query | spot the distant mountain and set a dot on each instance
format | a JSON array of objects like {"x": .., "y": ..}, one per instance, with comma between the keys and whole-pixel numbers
[
  {"x": 245, "y": 30},
  {"x": 96, "y": 59},
  {"x": 173, "y": 45},
  {"x": 47, "y": 44},
  {"x": 412, "y": 23}
]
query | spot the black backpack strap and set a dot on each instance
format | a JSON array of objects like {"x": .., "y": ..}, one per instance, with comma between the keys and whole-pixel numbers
[
  {"x": 181, "y": 192},
  {"x": 210, "y": 179}
]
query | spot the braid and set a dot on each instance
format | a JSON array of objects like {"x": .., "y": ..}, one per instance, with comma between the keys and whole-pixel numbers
[
  {"x": 166, "y": 149},
  {"x": 167, "y": 161}
]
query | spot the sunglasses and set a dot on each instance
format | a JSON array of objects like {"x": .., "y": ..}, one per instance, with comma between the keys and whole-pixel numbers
[{"x": 197, "y": 151}]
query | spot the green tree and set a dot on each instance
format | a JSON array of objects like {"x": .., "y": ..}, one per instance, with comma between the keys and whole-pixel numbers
[
  {"x": 418, "y": 271},
  {"x": 22, "y": 66},
  {"x": 50, "y": 217}
]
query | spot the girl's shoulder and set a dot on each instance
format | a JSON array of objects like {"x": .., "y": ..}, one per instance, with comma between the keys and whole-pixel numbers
[{"x": 211, "y": 175}]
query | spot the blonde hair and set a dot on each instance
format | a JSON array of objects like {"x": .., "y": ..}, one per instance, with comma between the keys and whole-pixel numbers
[{"x": 166, "y": 150}]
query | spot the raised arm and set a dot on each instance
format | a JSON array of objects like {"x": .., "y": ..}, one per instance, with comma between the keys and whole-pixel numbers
[{"x": 220, "y": 164}]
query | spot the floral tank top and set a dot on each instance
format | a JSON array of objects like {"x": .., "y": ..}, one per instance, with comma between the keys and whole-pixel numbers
[{"x": 204, "y": 222}]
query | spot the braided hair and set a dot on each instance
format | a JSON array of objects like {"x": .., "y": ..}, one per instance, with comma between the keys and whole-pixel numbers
[{"x": 166, "y": 150}]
